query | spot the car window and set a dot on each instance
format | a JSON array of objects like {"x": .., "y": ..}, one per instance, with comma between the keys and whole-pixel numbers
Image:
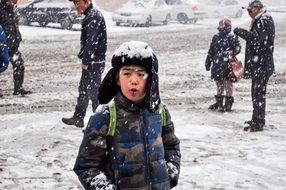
[
  {"x": 173, "y": 2},
  {"x": 230, "y": 2},
  {"x": 158, "y": 3}
]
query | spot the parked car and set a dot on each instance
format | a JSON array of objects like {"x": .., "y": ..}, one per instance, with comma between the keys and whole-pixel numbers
[
  {"x": 144, "y": 13},
  {"x": 185, "y": 11},
  {"x": 223, "y": 8},
  {"x": 48, "y": 11}
]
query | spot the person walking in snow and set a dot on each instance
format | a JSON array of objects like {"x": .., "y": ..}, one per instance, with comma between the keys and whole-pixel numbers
[
  {"x": 4, "y": 55},
  {"x": 223, "y": 48},
  {"x": 92, "y": 54},
  {"x": 259, "y": 64},
  {"x": 130, "y": 143},
  {"x": 9, "y": 22}
]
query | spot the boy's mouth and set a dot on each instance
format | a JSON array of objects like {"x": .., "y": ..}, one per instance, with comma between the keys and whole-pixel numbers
[{"x": 133, "y": 91}]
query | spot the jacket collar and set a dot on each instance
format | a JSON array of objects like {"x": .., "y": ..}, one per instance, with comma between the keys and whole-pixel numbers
[
  {"x": 257, "y": 17},
  {"x": 87, "y": 10},
  {"x": 126, "y": 104}
]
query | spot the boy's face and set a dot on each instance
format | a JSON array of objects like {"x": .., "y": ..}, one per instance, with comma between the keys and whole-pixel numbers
[
  {"x": 132, "y": 81},
  {"x": 81, "y": 5}
]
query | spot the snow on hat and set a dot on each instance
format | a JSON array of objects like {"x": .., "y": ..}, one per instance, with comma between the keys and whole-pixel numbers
[
  {"x": 135, "y": 52},
  {"x": 253, "y": 3},
  {"x": 132, "y": 53}
]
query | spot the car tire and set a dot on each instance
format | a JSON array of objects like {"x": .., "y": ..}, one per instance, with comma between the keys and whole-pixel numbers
[
  {"x": 193, "y": 21},
  {"x": 148, "y": 22},
  {"x": 66, "y": 23},
  {"x": 182, "y": 18},
  {"x": 23, "y": 20},
  {"x": 117, "y": 23},
  {"x": 43, "y": 23},
  {"x": 167, "y": 19},
  {"x": 238, "y": 14}
]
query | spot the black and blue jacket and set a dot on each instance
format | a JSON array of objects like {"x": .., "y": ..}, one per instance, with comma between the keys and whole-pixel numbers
[{"x": 136, "y": 156}]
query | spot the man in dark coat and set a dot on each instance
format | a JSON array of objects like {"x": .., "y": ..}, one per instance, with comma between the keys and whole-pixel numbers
[
  {"x": 259, "y": 65},
  {"x": 92, "y": 53},
  {"x": 9, "y": 22}
]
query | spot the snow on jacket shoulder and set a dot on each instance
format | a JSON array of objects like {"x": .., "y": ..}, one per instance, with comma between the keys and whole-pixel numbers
[
  {"x": 136, "y": 156},
  {"x": 4, "y": 56}
]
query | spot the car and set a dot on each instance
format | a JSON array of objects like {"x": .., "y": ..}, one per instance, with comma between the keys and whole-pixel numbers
[
  {"x": 48, "y": 11},
  {"x": 185, "y": 11},
  {"x": 143, "y": 13},
  {"x": 223, "y": 8}
]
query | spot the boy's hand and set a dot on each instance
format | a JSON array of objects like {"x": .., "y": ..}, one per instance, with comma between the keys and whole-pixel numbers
[
  {"x": 173, "y": 171},
  {"x": 101, "y": 182},
  {"x": 84, "y": 67}
]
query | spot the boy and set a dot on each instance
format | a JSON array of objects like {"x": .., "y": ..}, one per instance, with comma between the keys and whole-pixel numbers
[
  {"x": 141, "y": 151},
  {"x": 92, "y": 53}
]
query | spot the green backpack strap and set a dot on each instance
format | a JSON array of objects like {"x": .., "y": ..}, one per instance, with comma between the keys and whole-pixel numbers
[
  {"x": 163, "y": 114},
  {"x": 113, "y": 118}
]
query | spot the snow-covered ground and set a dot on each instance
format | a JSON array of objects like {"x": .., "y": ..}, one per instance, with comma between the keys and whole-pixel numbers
[{"x": 37, "y": 151}]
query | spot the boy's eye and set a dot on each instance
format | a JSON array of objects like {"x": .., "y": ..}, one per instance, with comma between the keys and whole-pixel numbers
[
  {"x": 126, "y": 73},
  {"x": 142, "y": 74}
]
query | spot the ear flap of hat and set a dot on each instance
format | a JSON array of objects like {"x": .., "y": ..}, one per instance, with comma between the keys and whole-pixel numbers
[
  {"x": 108, "y": 87},
  {"x": 152, "y": 95}
]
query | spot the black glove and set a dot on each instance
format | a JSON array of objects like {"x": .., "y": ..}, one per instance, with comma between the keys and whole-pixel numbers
[
  {"x": 208, "y": 68},
  {"x": 173, "y": 174},
  {"x": 101, "y": 182},
  {"x": 236, "y": 30}
]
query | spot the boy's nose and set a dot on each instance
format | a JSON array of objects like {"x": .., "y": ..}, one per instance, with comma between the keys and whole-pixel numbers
[{"x": 133, "y": 80}]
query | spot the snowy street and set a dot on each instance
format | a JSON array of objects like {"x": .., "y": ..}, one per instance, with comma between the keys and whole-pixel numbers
[{"x": 37, "y": 151}]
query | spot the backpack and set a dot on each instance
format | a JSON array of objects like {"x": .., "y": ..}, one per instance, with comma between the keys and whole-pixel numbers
[{"x": 113, "y": 117}]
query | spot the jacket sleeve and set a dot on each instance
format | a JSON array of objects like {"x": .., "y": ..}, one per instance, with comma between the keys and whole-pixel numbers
[
  {"x": 92, "y": 153},
  {"x": 171, "y": 146},
  {"x": 94, "y": 32},
  {"x": 236, "y": 46},
  {"x": 209, "y": 59},
  {"x": 258, "y": 34}
]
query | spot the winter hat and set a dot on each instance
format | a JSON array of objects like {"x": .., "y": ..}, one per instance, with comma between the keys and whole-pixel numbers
[
  {"x": 253, "y": 3},
  {"x": 224, "y": 22},
  {"x": 132, "y": 53}
]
